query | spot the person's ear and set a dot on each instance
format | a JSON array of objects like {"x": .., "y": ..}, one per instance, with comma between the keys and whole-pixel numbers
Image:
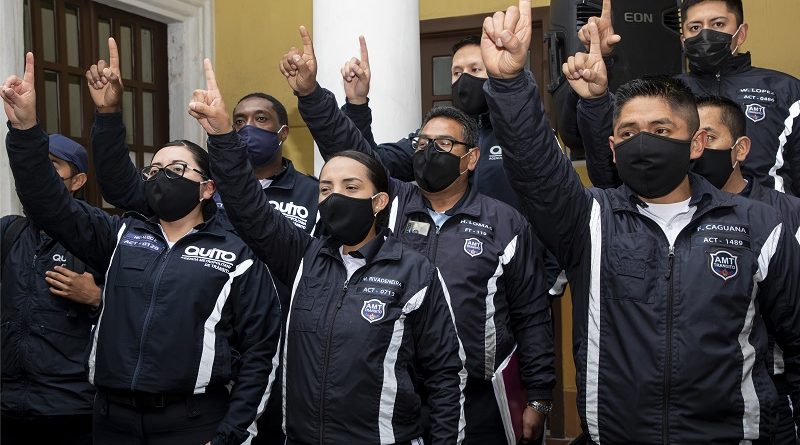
[
  {"x": 742, "y": 149},
  {"x": 77, "y": 182},
  {"x": 742, "y": 36},
  {"x": 380, "y": 202},
  {"x": 611, "y": 146},
  {"x": 473, "y": 157},
  {"x": 284, "y": 133},
  {"x": 207, "y": 189},
  {"x": 698, "y": 144}
]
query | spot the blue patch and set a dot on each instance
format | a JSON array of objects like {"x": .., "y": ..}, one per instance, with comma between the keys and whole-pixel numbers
[
  {"x": 755, "y": 112},
  {"x": 724, "y": 264},
  {"x": 373, "y": 310},
  {"x": 473, "y": 247},
  {"x": 142, "y": 241}
]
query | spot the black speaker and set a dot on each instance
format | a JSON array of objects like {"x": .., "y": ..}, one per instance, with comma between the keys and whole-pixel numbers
[{"x": 650, "y": 45}]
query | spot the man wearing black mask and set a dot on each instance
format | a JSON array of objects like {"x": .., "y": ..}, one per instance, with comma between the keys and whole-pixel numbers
[
  {"x": 713, "y": 31},
  {"x": 483, "y": 248},
  {"x": 675, "y": 284}
]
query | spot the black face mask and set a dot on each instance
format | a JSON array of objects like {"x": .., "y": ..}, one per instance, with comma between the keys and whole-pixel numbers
[
  {"x": 468, "y": 95},
  {"x": 715, "y": 166},
  {"x": 435, "y": 170},
  {"x": 708, "y": 51},
  {"x": 652, "y": 165},
  {"x": 171, "y": 199},
  {"x": 347, "y": 219}
]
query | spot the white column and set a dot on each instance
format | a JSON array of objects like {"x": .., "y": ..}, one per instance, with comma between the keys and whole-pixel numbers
[
  {"x": 12, "y": 61},
  {"x": 391, "y": 28}
]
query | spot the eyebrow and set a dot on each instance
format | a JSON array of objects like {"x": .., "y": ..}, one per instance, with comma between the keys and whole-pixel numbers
[{"x": 436, "y": 136}]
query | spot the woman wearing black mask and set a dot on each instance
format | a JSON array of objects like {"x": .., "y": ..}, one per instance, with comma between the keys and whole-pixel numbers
[
  {"x": 366, "y": 314},
  {"x": 186, "y": 343}
]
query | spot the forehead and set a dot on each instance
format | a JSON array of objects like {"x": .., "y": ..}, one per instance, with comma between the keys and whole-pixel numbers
[
  {"x": 340, "y": 167},
  {"x": 168, "y": 155},
  {"x": 711, "y": 117},
  {"x": 442, "y": 126},
  {"x": 254, "y": 105},
  {"x": 468, "y": 55},
  {"x": 708, "y": 10},
  {"x": 641, "y": 111}
]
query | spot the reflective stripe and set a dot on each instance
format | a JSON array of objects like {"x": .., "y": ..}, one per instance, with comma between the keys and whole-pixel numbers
[
  {"x": 751, "y": 417},
  {"x": 210, "y": 326},
  {"x": 490, "y": 330},
  {"x": 593, "y": 324},
  {"x": 93, "y": 353},
  {"x": 788, "y": 124},
  {"x": 313, "y": 230},
  {"x": 297, "y": 277},
  {"x": 389, "y": 387},
  {"x": 778, "y": 366},
  {"x": 797, "y": 235},
  {"x": 393, "y": 215},
  {"x": 462, "y": 420},
  {"x": 560, "y": 285}
]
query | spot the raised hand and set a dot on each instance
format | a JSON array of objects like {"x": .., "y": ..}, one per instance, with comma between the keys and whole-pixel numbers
[
  {"x": 299, "y": 68},
  {"x": 19, "y": 97},
  {"x": 587, "y": 73},
  {"x": 356, "y": 75},
  {"x": 105, "y": 81},
  {"x": 505, "y": 40},
  {"x": 207, "y": 106},
  {"x": 606, "y": 29}
]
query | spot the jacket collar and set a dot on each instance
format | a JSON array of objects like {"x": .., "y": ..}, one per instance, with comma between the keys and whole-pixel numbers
[
  {"x": 382, "y": 247},
  {"x": 735, "y": 65},
  {"x": 469, "y": 204},
  {"x": 286, "y": 178},
  {"x": 211, "y": 226},
  {"x": 704, "y": 196}
]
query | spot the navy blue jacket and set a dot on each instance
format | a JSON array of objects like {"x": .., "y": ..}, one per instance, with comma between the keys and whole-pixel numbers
[
  {"x": 174, "y": 320},
  {"x": 45, "y": 338},
  {"x": 487, "y": 254},
  {"x": 351, "y": 343},
  {"x": 669, "y": 340},
  {"x": 293, "y": 193}
]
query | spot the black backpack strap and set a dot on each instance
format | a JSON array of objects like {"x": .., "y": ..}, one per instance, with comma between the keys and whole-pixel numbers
[{"x": 12, "y": 232}]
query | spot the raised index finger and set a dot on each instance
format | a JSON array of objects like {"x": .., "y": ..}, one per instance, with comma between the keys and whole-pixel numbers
[
  {"x": 113, "y": 54},
  {"x": 525, "y": 11},
  {"x": 364, "y": 53},
  {"x": 308, "y": 45},
  {"x": 28, "y": 76},
  {"x": 594, "y": 45},
  {"x": 211, "y": 79},
  {"x": 606, "y": 14}
]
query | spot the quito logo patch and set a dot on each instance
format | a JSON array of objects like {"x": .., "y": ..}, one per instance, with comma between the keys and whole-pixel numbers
[
  {"x": 724, "y": 264},
  {"x": 755, "y": 112},
  {"x": 473, "y": 247},
  {"x": 373, "y": 310}
]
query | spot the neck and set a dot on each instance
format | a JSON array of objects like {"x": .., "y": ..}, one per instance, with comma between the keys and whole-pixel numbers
[
  {"x": 736, "y": 183},
  {"x": 681, "y": 193},
  {"x": 271, "y": 169},
  {"x": 370, "y": 236},
  {"x": 175, "y": 230},
  {"x": 449, "y": 197}
]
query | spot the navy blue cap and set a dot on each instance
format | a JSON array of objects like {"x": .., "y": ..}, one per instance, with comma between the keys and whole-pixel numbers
[{"x": 68, "y": 150}]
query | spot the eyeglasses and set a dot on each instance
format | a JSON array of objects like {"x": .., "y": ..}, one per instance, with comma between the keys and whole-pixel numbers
[
  {"x": 443, "y": 144},
  {"x": 172, "y": 171}
]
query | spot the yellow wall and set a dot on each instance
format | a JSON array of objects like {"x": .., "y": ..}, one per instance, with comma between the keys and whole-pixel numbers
[
  {"x": 437, "y": 9},
  {"x": 250, "y": 38},
  {"x": 771, "y": 38}
]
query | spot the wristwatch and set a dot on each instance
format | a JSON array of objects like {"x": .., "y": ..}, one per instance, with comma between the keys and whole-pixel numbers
[{"x": 543, "y": 408}]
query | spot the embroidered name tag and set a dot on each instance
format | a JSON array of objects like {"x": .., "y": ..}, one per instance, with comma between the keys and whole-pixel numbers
[{"x": 142, "y": 241}]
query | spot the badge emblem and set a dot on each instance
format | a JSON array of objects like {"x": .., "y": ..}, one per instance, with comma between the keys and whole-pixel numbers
[
  {"x": 473, "y": 247},
  {"x": 373, "y": 310},
  {"x": 724, "y": 264},
  {"x": 755, "y": 112}
]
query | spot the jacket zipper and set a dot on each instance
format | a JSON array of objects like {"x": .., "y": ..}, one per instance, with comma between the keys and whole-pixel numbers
[
  {"x": 147, "y": 317},
  {"x": 668, "y": 358},
  {"x": 719, "y": 84}
]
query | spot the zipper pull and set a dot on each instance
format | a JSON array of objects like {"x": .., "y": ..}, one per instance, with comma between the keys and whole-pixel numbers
[
  {"x": 341, "y": 298},
  {"x": 671, "y": 259}
]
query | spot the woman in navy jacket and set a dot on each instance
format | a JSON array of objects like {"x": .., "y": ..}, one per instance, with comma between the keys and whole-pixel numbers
[
  {"x": 366, "y": 315},
  {"x": 185, "y": 347}
]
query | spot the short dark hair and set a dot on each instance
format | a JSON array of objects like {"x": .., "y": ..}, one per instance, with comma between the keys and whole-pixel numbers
[
  {"x": 469, "y": 129},
  {"x": 677, "y": 95},
  {"x": 283, "y": 116},
  {"x": 376, "y": 173},
  {"x": 731, "y": 114},
  {"x": 734, "y": 6},
  {"x": 473, "y": 39}
]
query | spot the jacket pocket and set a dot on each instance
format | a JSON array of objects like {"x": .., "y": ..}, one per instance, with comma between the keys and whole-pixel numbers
[
  {"x": 306, "y": 309},
  {"x": 131, "y": 271},
  {"x": 630, "y": 263}
]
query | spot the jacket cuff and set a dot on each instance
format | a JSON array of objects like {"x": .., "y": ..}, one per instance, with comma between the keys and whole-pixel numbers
[
  {"x": 598, "y": 102},
  {"x": 512, "y": 85},
  {"x": 318, "y": 91},
  {"x": 227, "y": 141},
  {"x": 108, "y": 119},
  {"x": 31, "y": 133},
  {"x": 351, "y": 108},
  {"x": 540, "y": 394}
]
